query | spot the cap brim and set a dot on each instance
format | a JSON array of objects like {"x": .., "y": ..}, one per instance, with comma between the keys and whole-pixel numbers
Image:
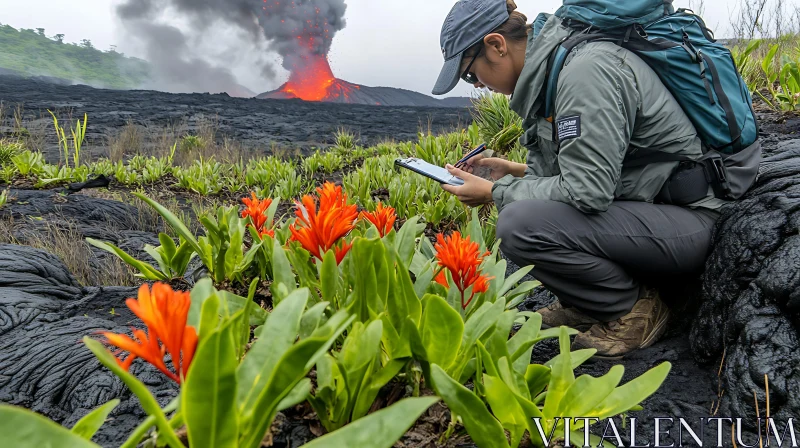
[{"x": 448, "y": 78}]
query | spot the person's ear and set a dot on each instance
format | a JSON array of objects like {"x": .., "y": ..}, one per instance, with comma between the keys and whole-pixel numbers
[{"x": 496, "y": 45}]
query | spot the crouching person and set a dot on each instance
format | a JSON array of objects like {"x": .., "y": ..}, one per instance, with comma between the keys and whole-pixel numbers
[{"x": 580, "y": 211}]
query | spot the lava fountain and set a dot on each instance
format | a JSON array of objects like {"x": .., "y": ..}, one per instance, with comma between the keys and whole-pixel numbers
[
  {"x": 311, "y": 79},
  {"x": 305, "y": 54}
]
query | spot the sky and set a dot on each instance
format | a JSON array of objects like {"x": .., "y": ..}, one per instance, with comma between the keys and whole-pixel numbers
[{"x": 391, "y": 43}]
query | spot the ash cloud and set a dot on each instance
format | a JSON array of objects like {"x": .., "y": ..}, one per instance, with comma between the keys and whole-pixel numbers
[{"x": 241, "y": 32}]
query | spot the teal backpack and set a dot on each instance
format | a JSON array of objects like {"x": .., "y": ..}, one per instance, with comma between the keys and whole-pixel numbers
[{"x": 699, "y": 72}]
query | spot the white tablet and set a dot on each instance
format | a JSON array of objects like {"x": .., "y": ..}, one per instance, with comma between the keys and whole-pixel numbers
[{"x": 434, "y": 172}]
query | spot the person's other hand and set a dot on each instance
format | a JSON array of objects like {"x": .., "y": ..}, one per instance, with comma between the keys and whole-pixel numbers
[
  {"x": 498, "y": 167},
  {"x": 475, "y": 191}
]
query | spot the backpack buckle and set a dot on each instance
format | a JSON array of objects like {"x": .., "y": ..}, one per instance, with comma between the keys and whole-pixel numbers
[{"x": 718, "y": 175}]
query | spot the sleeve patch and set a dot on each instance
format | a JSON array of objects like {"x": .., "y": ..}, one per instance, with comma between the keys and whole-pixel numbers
[{"x": 568, "y": 127}]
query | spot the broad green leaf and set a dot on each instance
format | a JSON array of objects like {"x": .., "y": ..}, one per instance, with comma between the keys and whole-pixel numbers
[
  {"x": 422, "y": 282},
  {"x": 234, "y": 303},
  {"x": 577, "y": 358},
  {"x": 405, "y": 241},
  {"x": 561, "y": 378},
  {"x": 497, "y": 339},
  {"x": 176, "y": 225},
  {"x": 276, "y": 337},
  {"x": 538, "y": 377},
  {"x": 406, "y": 289},
  {"x": 633, "y": 392},
  {"x": 167, "y": 245},
  {"x": 146, "y": 399},
  {"x": 292, "y": 367},
  {"x": 209, "y": 319},
  {"x": 21, "y": 428},
  {"x": 201, "y": 291},
  {"x": 369, "y": 391},
  {"x": 505, "y": 407},
  {"x": 512, "y": 280},
  {"x": 481, "y": 320},
  {"x": 586, "y": 392},
  {"x": 766, "y": 63},
  {"x": 208, "y": 397},
  {"x": 328, "y": 277},
  {"x": 481, "y": 426},
  {"x": 146, "y": 269},
  {"x": 311, "y": 319},
  {"x": 281, "y": 271},
  {"x": 441, "y": 330},
  {"x": 380, "y": 429},
  {"x": 520, "y": 355},
  {"x": 297, "y": 395},
  {"x": 87, "y": 426}
]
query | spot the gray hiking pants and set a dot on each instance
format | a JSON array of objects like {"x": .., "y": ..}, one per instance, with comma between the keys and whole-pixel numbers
[{"x": 595, "y": 262}]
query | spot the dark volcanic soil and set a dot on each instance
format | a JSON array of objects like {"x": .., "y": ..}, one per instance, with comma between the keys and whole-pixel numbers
[{"x": 254, "y": 123}]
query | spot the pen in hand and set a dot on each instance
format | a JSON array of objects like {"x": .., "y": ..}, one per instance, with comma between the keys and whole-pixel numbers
[{"x": 470, "y": 155}]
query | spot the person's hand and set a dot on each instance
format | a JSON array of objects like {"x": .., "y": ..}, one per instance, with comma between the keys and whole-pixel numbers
[
  {"x": 475, "y": 191},
  {"x": 498, "y": 167}
]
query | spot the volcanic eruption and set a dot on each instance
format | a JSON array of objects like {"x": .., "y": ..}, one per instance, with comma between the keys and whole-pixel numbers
[{"x": 300, "y": 31}]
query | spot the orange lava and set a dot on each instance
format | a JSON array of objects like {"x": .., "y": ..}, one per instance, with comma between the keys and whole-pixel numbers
[{"x": 312, "y": 79}]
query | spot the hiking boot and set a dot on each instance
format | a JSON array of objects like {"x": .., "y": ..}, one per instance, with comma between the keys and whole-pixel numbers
[
  {"x": 555, "y": 315},
  {"x": 640, "y": 328}
]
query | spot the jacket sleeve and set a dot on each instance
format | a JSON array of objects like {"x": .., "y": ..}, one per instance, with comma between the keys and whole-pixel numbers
[{"x": 599, "y": 89}]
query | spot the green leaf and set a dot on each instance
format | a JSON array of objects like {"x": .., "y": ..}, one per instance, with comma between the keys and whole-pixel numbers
[
  {"x": 208, "y": 397},
  {"x": 201, "y": 291},
  {"x": 209, "y": 319},
  {"x": 329, "y": 277},
  {"x": 538, "y": 377},
  {"x": 168, "y": 245},
  {"x": 577, "y": 358},
  {"x": 506, "y": 408},
  {"x": 484, "y": 429},
  {"x": 633, "y": 392},
  {"x": 292, "y": 367},
  {"x": 521, "y": 344},
  {"x": 380, "y": 429},
  {"x": 311, "y": 319},
  {"x": 586, "y": 392},
  {"x": 766, "y": 63},
  {"x": 21, "y": 427},
  {"x": 178, "y": 226},
  {"x": 146, "y": 269},
  {"x": 276, "y": 337},
  {"x": 87, "y": 426},
  {"x": 512, "y": 280},
  {"x": 146, "y": 399},
  {"x": 369, "y": 391},
  {"x": 297, "y": 395},
  {"x": 405, "y": 241},
  {"x": 441, "y": 330},
  {"x": 561, "y": 378},
  {"x": 281, "y": 272}
]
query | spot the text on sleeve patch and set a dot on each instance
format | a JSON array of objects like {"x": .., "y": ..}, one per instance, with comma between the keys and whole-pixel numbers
[{"x": 568, "y": 127}]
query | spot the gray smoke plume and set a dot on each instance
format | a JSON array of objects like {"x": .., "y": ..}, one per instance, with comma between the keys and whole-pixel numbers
[{"x": 295, "y": 29}]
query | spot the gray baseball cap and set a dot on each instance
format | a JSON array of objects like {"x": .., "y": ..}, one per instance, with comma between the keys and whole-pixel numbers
[{"x": 468, "y": 23}]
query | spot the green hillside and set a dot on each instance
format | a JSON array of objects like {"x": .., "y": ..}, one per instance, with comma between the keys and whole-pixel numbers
[{"x": 32, "y": 53}]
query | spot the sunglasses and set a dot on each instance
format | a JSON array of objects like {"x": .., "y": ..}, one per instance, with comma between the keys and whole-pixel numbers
[{"x": 468, "y": 76}]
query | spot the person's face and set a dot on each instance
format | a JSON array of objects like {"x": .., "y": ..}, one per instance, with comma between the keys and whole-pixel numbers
[{"x": 491, "y": 66}]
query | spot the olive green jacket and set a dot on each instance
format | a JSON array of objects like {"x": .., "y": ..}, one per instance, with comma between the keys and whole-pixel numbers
[{"x": 609, "y": 103}]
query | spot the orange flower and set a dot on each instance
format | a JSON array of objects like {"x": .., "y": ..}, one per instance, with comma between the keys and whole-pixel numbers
[
  {"x": 382, "y": 217},
  {"x": 256, "y": 210},
  {"x": 320, "y": 230},
  {"x": 462, "y": 258},
  {"x": 164, "y": 312}
]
